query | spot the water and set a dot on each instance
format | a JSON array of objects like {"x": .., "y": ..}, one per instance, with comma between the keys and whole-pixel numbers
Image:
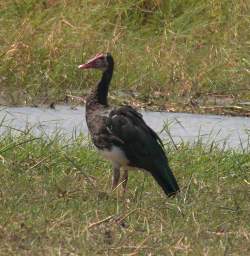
[{"x": 234, "y": 131}]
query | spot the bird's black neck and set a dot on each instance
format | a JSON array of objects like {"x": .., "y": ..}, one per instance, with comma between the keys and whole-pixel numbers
[{"x": 100, "y": 94}]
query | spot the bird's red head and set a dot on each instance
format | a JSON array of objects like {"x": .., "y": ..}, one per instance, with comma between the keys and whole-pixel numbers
[{"x": 98, "y": 62}]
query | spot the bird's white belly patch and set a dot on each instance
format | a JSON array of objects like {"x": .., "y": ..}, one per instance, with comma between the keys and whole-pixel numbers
[{"x": 116, "y": 155}]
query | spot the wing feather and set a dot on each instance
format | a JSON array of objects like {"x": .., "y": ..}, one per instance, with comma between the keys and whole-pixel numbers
[{"x": 140, "y": 143}]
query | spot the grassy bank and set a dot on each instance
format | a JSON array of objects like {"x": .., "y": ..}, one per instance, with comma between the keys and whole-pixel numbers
[
  {"x": 55, "y": 200},
  {"x": 179, "y": 55}
]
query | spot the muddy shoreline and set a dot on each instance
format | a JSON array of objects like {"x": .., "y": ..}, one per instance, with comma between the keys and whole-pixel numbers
[{"x": 208, "y": 104}]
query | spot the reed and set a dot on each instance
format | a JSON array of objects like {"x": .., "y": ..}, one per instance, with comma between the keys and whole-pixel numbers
[{"x": 168, "y": 53}]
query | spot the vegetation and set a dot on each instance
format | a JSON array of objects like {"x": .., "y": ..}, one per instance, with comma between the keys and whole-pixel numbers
[
  {"x": 189, "y": 55},
  {"x": 55, "y": 200},
  {"x": 179, "y": 55}
]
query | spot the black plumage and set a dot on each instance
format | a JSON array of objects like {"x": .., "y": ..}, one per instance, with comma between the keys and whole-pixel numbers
[{"x": 121, "y": 134}]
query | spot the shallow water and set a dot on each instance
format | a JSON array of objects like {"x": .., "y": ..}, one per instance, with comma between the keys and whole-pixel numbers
[{"x": 234, "y": 131}]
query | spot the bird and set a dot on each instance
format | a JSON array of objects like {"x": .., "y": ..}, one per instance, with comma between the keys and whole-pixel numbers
[{"x": 121, "y": 135}]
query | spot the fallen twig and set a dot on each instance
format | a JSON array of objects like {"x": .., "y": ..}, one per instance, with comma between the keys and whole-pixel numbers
[
  {"x": 126, "y": 215},
  {"x": 136, "y": 251},
  {"x": 100, "y": 221}
]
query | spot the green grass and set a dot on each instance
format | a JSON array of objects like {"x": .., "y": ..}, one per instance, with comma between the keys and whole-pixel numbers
[
  {"x": 168, "y": 53},
  {"x": 55, "y": 200}
]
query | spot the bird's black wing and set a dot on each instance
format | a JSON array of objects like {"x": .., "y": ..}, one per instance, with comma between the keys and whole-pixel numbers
[{"x": 142, "y": 146}]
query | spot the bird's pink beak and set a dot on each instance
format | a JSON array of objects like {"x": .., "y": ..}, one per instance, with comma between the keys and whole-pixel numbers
[
  {"x": 85, "y": 66},
  {"x": 91, "y": 63}
]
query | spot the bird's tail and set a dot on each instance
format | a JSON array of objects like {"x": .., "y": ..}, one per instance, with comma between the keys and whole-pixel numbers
[{"x": 165, "y": 178}]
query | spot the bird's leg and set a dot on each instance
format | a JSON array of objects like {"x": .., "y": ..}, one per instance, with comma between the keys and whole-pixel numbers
[
  {"x": 125, "y": 180},
  {"x": 116, "y": 176}
]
